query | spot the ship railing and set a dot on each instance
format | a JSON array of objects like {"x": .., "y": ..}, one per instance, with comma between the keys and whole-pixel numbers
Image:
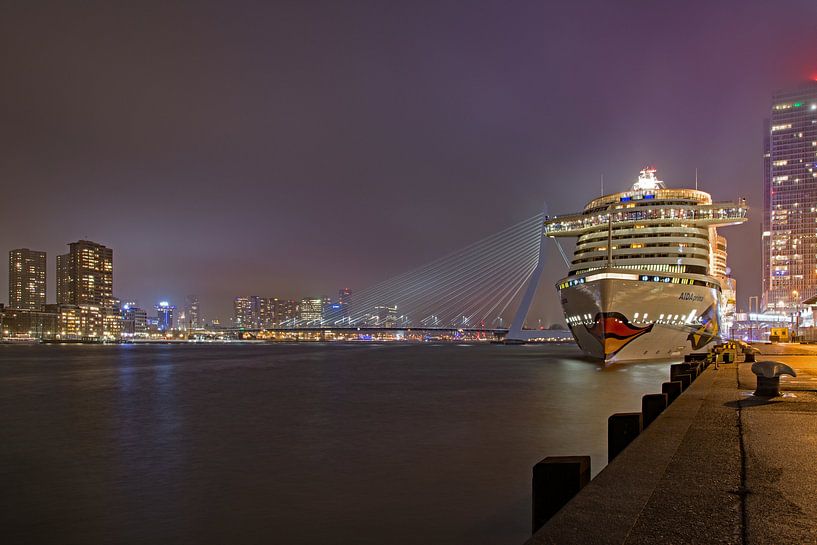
[{"x": 714, "y": 214}]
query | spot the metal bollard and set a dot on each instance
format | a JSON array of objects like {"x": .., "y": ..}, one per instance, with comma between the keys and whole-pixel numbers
[
  {"x": 673, "y": 389},
  {"x": 677, "y": 368},
  {"x": 768, "y": 377},
  {"x": 556, "y": 479},
  {"x": 622, "y": 428},
  {"x": 652, "y": 405}
]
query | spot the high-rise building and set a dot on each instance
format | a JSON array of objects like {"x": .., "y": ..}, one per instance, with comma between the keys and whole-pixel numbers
[
  {"x": 193, "y": 313},
  {"x": 254, "y": 312},
  {"x": 26, "y": 279},
  {"x": 345, "y": 302},
  {"x": 332, "y": 312},
  {"x": 85, "y": 292},
  {"x": 180, "y": 319},
  {"x": 286, "y": 312},
  {"x": 386, "y": 315},
  {"x": 310, "y": 309},
  {"x": 85, "y": 275},
  {"x": 789, "y": 242},
  {"x": 134, "y": 319},
  {"x": 245, "y": 312},
  {"x": 266, "y": 311},
  {"x": 164, "y": 316}
]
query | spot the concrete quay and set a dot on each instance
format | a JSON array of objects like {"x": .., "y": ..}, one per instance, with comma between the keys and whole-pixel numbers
[{"x": 718, "y": 466}]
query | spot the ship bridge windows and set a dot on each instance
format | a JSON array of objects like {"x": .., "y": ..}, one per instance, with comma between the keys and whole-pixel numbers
[
  {"x": 570, "y": 283},
  {"x": 678, "y": 280}
]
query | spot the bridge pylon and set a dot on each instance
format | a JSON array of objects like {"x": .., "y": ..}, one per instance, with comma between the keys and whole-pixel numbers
[{"x": 516, "y": 334}]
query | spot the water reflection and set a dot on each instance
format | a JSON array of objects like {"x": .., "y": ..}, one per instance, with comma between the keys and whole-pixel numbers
[{"x": 295, "y": 443}]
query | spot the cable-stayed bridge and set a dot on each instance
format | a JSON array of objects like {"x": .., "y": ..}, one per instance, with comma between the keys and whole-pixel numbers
[
  {"x": 473, "y": 288},
  {"x": 485, "y": 288}
]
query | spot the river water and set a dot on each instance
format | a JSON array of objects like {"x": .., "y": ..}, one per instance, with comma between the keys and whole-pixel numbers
[{"x": 295, "y": 444}]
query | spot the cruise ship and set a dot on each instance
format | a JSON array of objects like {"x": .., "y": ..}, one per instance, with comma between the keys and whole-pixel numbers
[{"x": 648, "y": 278}]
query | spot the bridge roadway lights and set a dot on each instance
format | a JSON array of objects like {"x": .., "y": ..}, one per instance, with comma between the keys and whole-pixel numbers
[{"x": 556, "y": 479}]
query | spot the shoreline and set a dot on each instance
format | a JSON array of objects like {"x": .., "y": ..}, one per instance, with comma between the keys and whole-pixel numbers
[
  {"x": 718, "y": 465},
  {"x": 245, "y": 342}
]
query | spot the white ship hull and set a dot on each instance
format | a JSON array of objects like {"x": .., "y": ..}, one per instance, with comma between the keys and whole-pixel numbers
[{"x": 620, "y": 319}]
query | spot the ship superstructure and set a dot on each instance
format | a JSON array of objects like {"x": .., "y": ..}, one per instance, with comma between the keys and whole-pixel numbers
[{"x": 649, "y": 270}]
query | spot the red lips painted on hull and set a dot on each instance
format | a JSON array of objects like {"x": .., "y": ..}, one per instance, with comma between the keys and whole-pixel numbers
[{"x": 614, "y": 331}]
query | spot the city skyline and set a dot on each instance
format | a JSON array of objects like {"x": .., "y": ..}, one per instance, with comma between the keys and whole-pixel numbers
[
  {"x": 77, "y": 274},
  {"x": 235, "y": 151},
  {"x": 88, "y": 307},
  {"x": 786, "y": 275},
  {"x": 444, "y": 272}
]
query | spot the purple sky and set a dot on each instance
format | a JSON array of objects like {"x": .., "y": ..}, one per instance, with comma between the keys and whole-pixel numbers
[{"x": 292, "y": 148}]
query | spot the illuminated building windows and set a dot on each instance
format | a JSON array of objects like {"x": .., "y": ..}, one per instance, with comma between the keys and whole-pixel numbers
[{"x": 27, "y": 269}]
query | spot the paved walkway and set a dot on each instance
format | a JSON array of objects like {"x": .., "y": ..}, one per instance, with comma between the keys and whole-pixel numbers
[
  {"x": 718, "y": 466},
  {"x": 780, "y": 438}
]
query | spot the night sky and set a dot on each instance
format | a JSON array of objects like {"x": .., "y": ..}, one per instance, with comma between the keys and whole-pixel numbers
[{"x": 292, "y": 148}]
